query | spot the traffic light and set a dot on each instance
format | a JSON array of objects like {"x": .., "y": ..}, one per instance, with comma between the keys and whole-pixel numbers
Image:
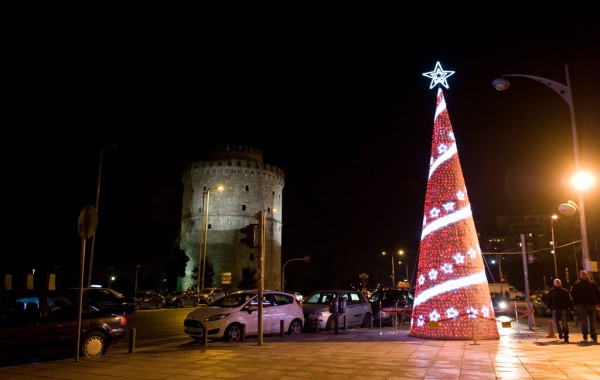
[{"x": 250, "y": 238}]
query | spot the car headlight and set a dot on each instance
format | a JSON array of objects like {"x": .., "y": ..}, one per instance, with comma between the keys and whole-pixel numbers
[
  {"x": 216, "y": 317},
  {"x": 315, "y": 315}
]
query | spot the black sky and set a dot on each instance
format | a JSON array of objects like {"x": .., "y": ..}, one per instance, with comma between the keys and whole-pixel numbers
[{"x": 346, "y": 114}]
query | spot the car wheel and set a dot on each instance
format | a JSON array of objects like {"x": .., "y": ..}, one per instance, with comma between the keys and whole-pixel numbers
[
  {"x": 195, "y": 304},
  {"x": 179, "y": 303},
  {"x": 233, "y": 333},
  {"x": 295, "y": 328},
  {"x": 94, "y": 344},
  {"x": 209, "y": 301},
  {"x": 158, "y": 305},
  {"x": 367, "y": 321},
  {"x": 137, "y": 306}
]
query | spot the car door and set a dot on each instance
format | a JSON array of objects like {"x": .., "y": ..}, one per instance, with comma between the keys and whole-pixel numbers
[
  {"x": 276, "y": 309},
  {"x": 62, "y": 318},
  {"x": 21, "y": 324},
  {"x": 355, "y": 308},
  {"x": 251, "y": 317}
]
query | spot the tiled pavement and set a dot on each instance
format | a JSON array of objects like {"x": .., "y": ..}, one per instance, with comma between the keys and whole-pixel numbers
[{"x": 522, "y": 352}]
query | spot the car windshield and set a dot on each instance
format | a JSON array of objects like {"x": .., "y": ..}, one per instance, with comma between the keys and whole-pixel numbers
[
  {"x": 206, "y": 291},
  {"x": 322, "y": 298},
  {"x": 233, "y": 300}
]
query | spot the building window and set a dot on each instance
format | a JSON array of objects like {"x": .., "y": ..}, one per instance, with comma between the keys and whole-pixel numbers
[
  {"x": 247, "y": 188},
  {"x": 243, "y": 207}
]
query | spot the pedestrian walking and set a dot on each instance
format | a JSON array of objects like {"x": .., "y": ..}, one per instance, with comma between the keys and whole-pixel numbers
[
  {"x": 586, "y": 295},
  {"x": 560, "y": 302}
]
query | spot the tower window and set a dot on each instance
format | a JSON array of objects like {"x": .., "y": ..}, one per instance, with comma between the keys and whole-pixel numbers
[
  {"x": 243, "y": 207},
  {"x": 247, "y": 188},
  {"x": 209, "y": 226}
]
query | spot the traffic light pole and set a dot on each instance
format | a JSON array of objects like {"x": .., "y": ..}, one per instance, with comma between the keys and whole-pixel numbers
[{"x": 261, "y": 274}]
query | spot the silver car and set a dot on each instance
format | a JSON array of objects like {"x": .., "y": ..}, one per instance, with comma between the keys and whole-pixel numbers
[
  {"x": 210, "y": 295},
  {"x": 318, "y": 306},
  {"x": 236, "y": 315}
]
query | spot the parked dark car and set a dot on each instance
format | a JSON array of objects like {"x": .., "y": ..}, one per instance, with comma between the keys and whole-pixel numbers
[
  {"x": 181, "y": 299},
  {"x": 148, "y": 299},
  {"x": 389, "y": 303},
  {"x": 110, "y": 300},
  {"x": 36, "y": 322}
]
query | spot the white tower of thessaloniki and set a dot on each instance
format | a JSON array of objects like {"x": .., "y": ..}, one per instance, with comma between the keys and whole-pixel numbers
[{"x": 250, "y": 186}]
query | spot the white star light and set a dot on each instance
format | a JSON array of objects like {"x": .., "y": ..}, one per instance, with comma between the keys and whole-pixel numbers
[
  {"x": 438, "y": 75},
  {"x": 434, "y": 316},
  {"x": 433, "y": 274},
  {"x": 472, "y": 312},
  {"x": 451, "y": 135},
  {"x": 451, "y": 313},
  {"x": 442, "y": 148},
  {"x": 459, "y": 258},
  {"x": 460, "y": 195},
  {"x": 421, "y": 321},
  {"x": 421, "y": 280},
  {"x": 434, "y": 213},
  {"x": 448, "y": 206},
  {"x": 447, "y": 268},
  {"x": 471, "y": 252}
]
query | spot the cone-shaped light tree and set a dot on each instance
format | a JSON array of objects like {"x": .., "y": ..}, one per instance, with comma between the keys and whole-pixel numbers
[{"x": 452, "y": 298}]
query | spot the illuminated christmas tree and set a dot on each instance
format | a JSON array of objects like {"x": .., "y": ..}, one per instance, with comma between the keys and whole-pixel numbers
[{"x": 452, "y": 298}]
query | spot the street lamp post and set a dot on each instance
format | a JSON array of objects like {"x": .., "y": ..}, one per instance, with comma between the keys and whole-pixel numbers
[
  {"x": 305, "y": 258},
  {"x": 89, "y": 280},
  {"x": 401, "y": 253},
  {"x": 393, "y": 267},
  {"x": 552, "y": 219},
  {"x": 202, "y": 256},
  {"x": 564, "y": 91}
]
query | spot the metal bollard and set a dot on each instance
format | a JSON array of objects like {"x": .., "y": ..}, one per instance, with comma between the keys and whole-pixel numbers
[
  {"x": 281, "y": 325},
  {"x": 243, "y": 337},
  {"x": 132, "y": 333},
  {"x": 204, "y": 336}
]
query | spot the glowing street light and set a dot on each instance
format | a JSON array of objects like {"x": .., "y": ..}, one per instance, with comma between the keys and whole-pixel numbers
[
  {"x": 564, "y": 91},
  {"x": 202, "y": 257}
]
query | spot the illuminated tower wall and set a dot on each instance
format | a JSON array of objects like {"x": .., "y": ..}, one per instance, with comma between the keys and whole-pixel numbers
[
  {"x": 250, "y": 186},
  {"x": 452, "y": 298}
]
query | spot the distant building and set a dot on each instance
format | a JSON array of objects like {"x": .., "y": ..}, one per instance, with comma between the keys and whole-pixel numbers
[{"x": 250, "y": 186}]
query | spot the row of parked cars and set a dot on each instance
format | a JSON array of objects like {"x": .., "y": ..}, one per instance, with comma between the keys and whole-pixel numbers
[
  {"x": 236, "y": 315},
  {"x": 32, "y": 320},
  {"x": 152, "y": 299}
]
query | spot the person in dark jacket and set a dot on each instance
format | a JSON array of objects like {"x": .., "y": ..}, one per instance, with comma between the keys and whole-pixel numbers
[
  {"x": 560, "y": 302},
  {"x": 586, "y": 295}
]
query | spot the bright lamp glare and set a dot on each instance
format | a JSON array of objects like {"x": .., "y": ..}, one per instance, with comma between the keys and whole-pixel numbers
[{"x": 583, "y": 181}]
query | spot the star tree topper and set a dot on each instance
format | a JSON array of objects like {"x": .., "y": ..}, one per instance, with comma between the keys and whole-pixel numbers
[{"x": 438, "y": 75}]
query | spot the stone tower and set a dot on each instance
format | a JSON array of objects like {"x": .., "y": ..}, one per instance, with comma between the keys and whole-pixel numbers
[{"x": 250, "y": 186}]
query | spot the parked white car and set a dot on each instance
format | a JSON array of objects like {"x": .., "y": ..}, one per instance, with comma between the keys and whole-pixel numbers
[
  {"x": 317, "y": 310},
  {"x": 237, "y": 313}
]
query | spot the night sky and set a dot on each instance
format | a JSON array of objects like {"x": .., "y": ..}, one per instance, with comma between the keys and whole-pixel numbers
[{"x": 347, "y": 115}]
